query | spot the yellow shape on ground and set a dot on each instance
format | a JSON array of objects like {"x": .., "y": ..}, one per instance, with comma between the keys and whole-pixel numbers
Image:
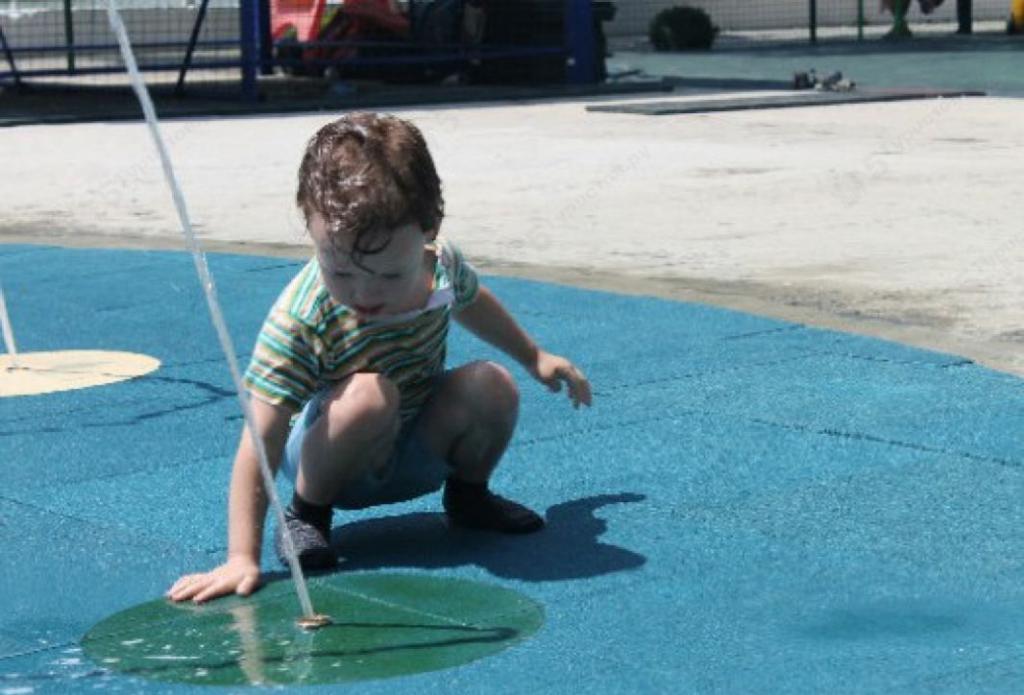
[{"x": 35, "y": 373}]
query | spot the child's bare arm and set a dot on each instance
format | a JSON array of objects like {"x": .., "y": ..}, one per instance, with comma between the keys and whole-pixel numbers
[
  {"x": 488, "y": 319},
  {"x": 247, "y": 508}
]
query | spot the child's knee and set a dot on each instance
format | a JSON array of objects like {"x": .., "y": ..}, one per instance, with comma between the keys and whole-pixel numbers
[
  {"x": 366, "y": 402},
  {"x": 494, "y": 389}
]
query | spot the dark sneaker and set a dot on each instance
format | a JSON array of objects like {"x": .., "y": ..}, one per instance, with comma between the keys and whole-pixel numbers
[
  {"x": 481, "y": 509},
  {"x": 312, "y": 543}
]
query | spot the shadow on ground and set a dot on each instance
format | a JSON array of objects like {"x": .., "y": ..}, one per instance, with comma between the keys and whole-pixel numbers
[
  {"x": 37, "y": 103},
  {"x": 569, "y": 548}
]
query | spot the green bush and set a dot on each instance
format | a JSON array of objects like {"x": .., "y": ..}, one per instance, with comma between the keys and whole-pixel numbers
[{"x": 681, "y": 29}]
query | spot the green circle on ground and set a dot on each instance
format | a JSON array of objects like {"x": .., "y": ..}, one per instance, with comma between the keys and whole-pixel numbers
[{"x": 383, "y": 625}]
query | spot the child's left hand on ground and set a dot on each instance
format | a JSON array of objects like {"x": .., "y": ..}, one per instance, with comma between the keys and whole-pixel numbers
[{"x": 551, "y": 370}]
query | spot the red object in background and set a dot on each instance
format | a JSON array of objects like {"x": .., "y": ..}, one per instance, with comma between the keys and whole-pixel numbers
[
  {"x": 322, "y": 39},
  {"x": 358, "y": 20},
  {"x": 381, "y": 14},
  {"x": 302, "y": 15}
]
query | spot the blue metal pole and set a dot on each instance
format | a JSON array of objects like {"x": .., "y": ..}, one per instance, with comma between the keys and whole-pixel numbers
[
  {"x": 69, "y": 36},
  {"x": 812, "y": 20},
  {"x": 579, "y": 40},
  {"x": 179, "y": 89},
  {"x": 9, "y": 54},
  {"x": 249, "y": 37},
  {"x": 266, "y": 40}
]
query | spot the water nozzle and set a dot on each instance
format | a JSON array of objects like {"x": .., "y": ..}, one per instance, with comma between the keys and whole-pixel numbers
[{"x": 314, "y": 621}]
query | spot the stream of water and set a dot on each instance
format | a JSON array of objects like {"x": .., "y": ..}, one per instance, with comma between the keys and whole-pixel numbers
[{"x": 210, "y": 290}]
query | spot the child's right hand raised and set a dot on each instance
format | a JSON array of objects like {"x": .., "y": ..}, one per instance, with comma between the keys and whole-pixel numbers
[
  {"x": 236, "y": 576},
  {"x": 552, "y": 370}
]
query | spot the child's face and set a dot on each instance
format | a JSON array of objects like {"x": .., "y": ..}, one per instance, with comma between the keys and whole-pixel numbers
[{"x": 396, "y": 280}]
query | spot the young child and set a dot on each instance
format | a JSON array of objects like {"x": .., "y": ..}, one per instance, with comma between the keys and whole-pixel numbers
[{"x": 356, "y": 346}]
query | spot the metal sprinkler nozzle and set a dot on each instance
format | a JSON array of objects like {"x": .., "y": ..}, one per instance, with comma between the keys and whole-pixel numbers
[{"x": 313, "y": 622}]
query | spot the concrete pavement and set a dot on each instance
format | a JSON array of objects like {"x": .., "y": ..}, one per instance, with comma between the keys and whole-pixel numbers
[{"x": 897, "y": 220}]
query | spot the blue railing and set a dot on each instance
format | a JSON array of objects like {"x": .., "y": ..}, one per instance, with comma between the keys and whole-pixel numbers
[{"x": 252, "y": 53}]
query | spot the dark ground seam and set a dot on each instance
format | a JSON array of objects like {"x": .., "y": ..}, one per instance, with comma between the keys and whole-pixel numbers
[
  {"x": 132, "y": 532},
  {"x": 65, "y": 414},
  {"x": 141, "y": 471},
  {"x": 937, "y": 679},
  {"x": 828, "y": 432},
  {"x": 694, "y": 375},
  {"x": 244, "y": 356},
  {"x": 278, "y": 266},
  {"x": 769, "y": 331},
  {"x": 30, "y": 652},
  {"x": 218, "y": 395},
  {"x": 961, "y": 362},
  {"x": 957, "y": 361}
]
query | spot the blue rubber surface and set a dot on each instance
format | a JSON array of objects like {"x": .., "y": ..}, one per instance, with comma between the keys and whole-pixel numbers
[
  {"x": 982, "y": 62},
  {"x": 750, "y": 506}
]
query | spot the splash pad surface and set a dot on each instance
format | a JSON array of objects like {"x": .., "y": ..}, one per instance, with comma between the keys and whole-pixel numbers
[
  {"x": 382, "y": 626},
  {"x": 751, "y": 506},
  {"x": 36, "y": 373}
]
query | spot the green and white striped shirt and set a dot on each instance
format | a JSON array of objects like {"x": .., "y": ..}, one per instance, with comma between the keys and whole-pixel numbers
[{"x": 309, "y": 341}]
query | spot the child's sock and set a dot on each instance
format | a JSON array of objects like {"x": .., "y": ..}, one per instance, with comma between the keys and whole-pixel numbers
[
  {"x": 462, "y": 488},
  {"x": 309, "y": 526},
  {"x": 472, "y": 505},
  {"x": 319, "y": 515}
]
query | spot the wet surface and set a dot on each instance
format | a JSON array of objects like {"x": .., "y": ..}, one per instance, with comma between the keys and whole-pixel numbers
[
  {"x": 752, "y": 505},
  {"x": 382, "y": 626}
]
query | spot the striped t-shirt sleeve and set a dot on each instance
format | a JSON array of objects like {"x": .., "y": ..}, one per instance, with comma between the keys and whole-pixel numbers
[
  {"x": 465, "y": 283},
  {"x": 284, "y": 365}
]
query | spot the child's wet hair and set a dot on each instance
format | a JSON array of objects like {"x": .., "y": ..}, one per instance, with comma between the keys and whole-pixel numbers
[{"x": 367, "y": 174}]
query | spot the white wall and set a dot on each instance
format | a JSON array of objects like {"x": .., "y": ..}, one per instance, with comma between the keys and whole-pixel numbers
[
  {"x": 737, "y": 15},
  {"x": 92, "y": 26},
  {"x": 632, "y": 18}
]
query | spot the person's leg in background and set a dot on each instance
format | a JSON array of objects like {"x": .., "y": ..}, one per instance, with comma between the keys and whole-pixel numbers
[
  {"x": 964, "y": 16},
  {"x": 900, "y": 28}
]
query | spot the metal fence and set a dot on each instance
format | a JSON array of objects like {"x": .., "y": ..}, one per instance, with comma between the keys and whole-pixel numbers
[
  {"x": 805, "y": 20},
  {"x": 71, "y": 41},
  {"x": 240, "y": 41}
]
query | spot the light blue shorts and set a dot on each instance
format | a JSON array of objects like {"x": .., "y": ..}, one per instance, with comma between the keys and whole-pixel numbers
[{"x": 413, "y": 470}]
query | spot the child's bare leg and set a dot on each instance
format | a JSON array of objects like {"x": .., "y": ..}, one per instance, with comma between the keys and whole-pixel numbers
[
  {"x": 356, "y": 433},
  {"x": 470, "y": 419},
  {"x": 900, "y": 29},
  {"x": 469, "y": 422}
]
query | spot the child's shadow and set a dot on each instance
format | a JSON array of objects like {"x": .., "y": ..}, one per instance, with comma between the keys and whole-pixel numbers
[{"x": 568, "y": 548}]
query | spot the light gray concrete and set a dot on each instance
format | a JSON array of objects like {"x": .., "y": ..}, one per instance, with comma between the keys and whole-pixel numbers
[
  {"x": 634, "y": 16},
  {"x": 900, "y": 220}
]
